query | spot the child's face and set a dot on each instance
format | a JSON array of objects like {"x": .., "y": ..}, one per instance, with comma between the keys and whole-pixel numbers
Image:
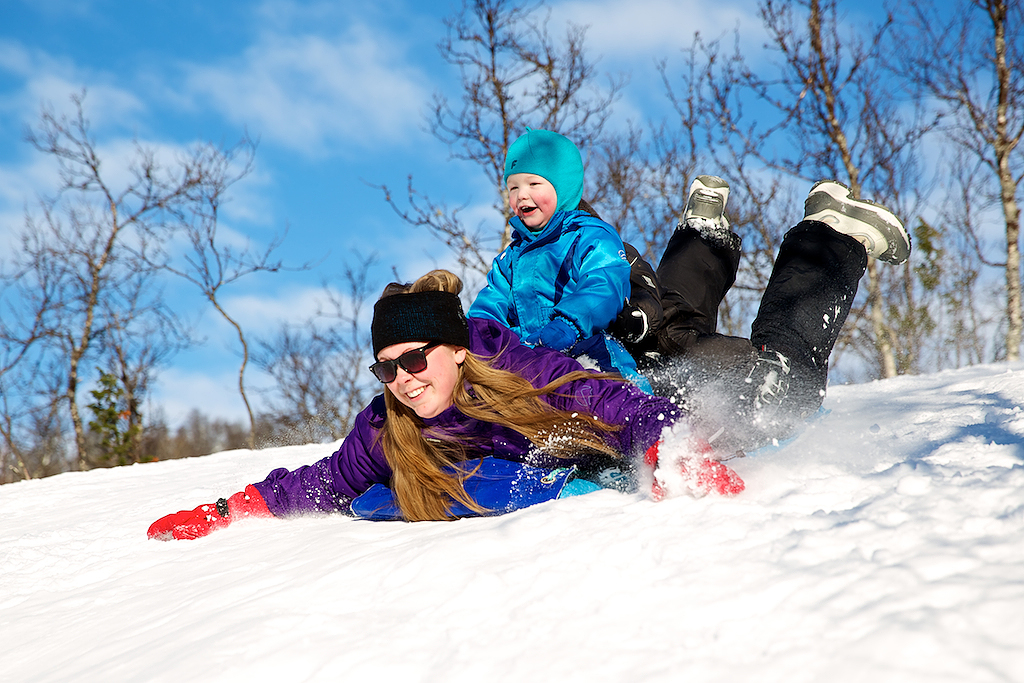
[{"x": 532, "y": 198}]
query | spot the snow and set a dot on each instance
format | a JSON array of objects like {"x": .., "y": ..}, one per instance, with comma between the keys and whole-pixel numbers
[{"x": 886, "y": 543}]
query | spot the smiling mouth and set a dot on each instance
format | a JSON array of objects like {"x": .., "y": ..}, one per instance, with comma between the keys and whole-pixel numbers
[{"x": 416, "y": 392}]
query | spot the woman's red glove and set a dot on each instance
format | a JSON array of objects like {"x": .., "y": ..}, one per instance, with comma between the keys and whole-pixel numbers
[
  {"x": 700, "y": 473},
  {"x": 210, "y": 517}
]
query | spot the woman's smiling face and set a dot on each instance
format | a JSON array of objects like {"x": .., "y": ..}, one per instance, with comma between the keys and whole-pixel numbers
[{"x": 428, "y": 393}]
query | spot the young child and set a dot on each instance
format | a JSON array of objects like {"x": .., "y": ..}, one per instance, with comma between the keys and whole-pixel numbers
[{"x": 564, "y": 278}]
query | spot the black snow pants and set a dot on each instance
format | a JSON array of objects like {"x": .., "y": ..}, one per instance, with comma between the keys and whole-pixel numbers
[{"x": 808, "y": 297}]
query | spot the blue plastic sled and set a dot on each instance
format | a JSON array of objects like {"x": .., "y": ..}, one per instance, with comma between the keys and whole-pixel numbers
[{"x": 497, "y": 485}]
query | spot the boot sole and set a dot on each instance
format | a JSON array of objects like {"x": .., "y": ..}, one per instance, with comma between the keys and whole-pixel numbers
[
  {"x": 706, "y": 200},
  {"x": 832, "y": 196}
]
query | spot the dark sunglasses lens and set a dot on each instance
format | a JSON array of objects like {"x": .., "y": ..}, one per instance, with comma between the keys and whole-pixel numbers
[
  {"x": 413, "y": 361},
  {"x": 386, "y": 371}
]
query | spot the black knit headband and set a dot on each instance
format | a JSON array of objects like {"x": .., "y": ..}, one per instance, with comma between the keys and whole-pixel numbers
[{"x": 423, "y": 316}]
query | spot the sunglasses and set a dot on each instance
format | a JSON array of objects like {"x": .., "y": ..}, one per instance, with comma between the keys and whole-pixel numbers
[{"x": 412, "y": 361}]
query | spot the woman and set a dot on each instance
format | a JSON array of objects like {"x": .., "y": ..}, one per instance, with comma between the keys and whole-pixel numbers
[{"x": 456, "y": 391}]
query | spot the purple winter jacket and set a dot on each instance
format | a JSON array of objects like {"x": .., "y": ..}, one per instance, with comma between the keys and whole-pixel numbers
[{"x": 330, "y": 484}]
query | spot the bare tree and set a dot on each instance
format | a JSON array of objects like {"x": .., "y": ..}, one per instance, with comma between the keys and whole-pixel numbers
[
  {"x": 22, "y": 331},
  {"x": 715, "y": 135},
  {"x": 210, "y": 264},
  {"x": 834, "y": 92},
  {"x": 15, "y": 450},
  {"x": 970, "y": 58},
  {"x": 200, "y": 435},
  {"x": 514, "y": 74},
  {"x": 139, "y": 335},
  {"x": 320, "y": 367},
  {"x": 88, "y": 244},
  {"x": 966, "y": 297},
  {"x": 80, "y": 288},
  {"x": 34, "y": 421}
]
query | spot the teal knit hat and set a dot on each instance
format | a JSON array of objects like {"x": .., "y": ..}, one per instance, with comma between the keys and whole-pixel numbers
[{"x": 554, "y": 158}]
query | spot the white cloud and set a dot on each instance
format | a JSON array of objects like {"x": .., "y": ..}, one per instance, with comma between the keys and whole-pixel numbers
[
  {"x": 14, "y": 58},
  {"x": 21, "y": 183},
  {"x": 50, "y": 81},
  {"x": 308, "y": 91},
  {"x": 650, "y": 29},
  {"x": 177, "y": 392},
  {"x": 262, "y": 313},
  {"x": 105, "y": 105}
]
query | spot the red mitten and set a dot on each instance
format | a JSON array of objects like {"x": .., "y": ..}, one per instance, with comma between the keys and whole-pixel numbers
[
  {"x": 710, "y": 475},
  {"x": 189, "y": 524},
  {"x": 651, "y": 460},
  {"x": 700, "y": 473}
]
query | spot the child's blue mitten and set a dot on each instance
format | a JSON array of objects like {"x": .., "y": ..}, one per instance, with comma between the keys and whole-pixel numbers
[{"x": 559, "y": 334}]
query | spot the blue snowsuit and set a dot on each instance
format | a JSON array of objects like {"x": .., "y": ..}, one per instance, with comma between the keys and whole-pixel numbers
[{"x": 576, "y": 269}]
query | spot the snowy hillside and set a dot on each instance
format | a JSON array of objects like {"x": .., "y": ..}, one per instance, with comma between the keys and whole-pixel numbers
[{"x": 885, "y": 544}]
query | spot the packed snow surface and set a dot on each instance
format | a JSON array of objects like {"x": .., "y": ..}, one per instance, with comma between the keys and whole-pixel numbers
[{"x": 886, "y": 543}]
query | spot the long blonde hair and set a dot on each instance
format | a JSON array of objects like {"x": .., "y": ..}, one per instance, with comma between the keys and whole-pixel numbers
[{"x": 423, "y": 490}]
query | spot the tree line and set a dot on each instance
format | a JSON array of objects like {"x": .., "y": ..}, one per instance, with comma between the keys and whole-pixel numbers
[{"x": 922, "y": 110}]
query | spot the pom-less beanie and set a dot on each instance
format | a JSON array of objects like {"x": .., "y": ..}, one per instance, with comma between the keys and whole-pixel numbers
[
  {"x": 553, "y": 157},
  {"x": 423, "y": 316}
]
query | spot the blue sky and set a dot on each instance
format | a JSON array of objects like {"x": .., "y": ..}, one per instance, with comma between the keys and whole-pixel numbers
[{"x": 336, "y": 92}]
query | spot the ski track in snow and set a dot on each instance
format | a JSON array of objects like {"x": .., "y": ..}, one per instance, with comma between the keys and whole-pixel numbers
[{"x": 883, "y": 544}]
